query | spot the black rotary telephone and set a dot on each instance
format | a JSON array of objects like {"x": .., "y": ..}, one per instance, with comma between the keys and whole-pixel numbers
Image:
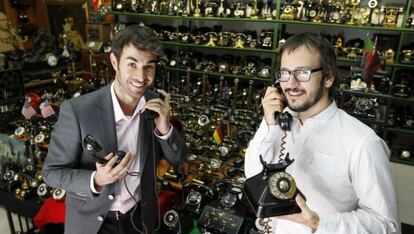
[
  {"x": 272, "y": 192},
  {"x": 93, "y": 148}
]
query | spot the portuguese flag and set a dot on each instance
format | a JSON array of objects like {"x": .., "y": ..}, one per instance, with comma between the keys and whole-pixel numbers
[{"x": 371, "y": 61}]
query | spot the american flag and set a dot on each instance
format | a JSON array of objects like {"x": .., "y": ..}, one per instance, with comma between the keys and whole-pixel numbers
[
  {"x": 28, "y": 111},
  {"x": 46, "y": 109}
]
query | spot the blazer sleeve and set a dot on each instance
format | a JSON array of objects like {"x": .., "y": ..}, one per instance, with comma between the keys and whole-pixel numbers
[
  {"x": 64, "y": 155},
  {"x": 174, "y": 148}
]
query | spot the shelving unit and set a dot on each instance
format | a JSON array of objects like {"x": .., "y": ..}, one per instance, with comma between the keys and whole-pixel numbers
[{"x": 279, "y": 28}]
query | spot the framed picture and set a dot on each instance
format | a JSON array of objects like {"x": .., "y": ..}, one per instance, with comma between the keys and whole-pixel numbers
[
  {"x": 59, "y": 12},
  {"x": 386, "y": 41}
]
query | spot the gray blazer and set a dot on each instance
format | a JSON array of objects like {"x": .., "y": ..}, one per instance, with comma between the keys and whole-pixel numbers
[{"x": 69, "y": 167}]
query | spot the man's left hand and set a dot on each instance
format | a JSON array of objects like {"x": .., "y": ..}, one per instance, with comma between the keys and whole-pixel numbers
[
  {"x": 162, "y": 107},
  {"x": 307, "y": 217}
]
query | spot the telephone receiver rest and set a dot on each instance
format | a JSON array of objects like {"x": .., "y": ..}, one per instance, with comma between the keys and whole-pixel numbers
[{"x": 204, "y": 188}]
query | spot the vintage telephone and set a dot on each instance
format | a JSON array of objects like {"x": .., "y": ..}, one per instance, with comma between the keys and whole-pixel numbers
[
  {"x": 272, "y": 192},
  {"x": 93, "y": 148},
  {"x": 197, "y": 196}
]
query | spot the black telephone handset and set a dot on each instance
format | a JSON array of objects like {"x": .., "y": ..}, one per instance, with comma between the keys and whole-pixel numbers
[
  {"x": 283, "y": 119},
  {"x": 93, "y": 148},
  {"x": 150, "y": 115}
]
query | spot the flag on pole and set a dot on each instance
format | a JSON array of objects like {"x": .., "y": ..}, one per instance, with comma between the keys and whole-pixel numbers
[
  {"x": 28, "y": 111},
  {"x": 229, "y": 128},
  {"x": 371, "y": 61},
  {"x": 218, "y": 134},
  {"x": 46, "y": 109}
]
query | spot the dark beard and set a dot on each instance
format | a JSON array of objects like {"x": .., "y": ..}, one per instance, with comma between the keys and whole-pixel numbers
[{"x": 309, "y": 103}]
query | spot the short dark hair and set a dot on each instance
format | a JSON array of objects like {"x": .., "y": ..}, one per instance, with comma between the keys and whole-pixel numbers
[
  {"x": 141, "y": 37},
  {"x": 327, "y": 56}
]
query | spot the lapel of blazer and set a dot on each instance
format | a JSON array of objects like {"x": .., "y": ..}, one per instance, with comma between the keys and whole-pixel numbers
[{"x": 106, "y": 118}]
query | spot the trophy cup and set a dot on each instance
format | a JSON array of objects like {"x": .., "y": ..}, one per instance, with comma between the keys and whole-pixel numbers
[
  {"x": 355, "y": 3},
  {"x": 197, "y": 11},
  {"x": 254, "y": 13}
]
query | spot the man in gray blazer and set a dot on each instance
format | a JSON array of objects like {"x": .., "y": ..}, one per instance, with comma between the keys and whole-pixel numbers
[{"x": 115, "y": 198}]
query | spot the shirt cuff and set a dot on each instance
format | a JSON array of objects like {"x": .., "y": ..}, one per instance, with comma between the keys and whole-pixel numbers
[
  {"x": 266, "y": 133},
  {"x": 92, "y": 185},
  {"x": 166, "y": 136},
  {"x": 328, "y": 223}
]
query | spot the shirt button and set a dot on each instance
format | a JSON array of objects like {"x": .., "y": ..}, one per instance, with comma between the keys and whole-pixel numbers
[
  {"x": 100, "y": 218},
  {"x": 111, "y": 197}
]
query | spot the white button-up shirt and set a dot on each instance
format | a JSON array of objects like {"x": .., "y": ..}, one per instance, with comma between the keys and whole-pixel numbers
[{"x": 342, "y": 168}]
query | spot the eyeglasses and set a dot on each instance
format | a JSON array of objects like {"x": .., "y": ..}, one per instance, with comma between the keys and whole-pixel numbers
[{"x": 301, "y": 75}]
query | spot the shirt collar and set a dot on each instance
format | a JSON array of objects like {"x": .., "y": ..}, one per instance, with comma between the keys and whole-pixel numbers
[
  {"x": 322, "y": 116},
  {"x": 119, "y": 113}
]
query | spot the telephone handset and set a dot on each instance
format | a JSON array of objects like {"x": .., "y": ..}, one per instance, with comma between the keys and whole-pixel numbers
[
  {"x": 283, "y": 119},
  {"x": 150, "y": 115},
  {"x": 93, "y": 148}
]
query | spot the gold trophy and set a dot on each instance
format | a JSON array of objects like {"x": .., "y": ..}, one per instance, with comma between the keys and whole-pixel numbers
[
  {"x": 254, "y": 13},
  {"x": 197, "y": 11},
  {"x": 354, "y": 3}
]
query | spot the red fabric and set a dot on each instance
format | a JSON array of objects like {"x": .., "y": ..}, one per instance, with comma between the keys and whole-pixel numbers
[
  {"x": 167, "y": 200},
  {"x": 52, "y": 211}
]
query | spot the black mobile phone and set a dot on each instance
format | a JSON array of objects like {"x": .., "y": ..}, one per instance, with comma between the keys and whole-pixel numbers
[{"x": 93, "y": 148}]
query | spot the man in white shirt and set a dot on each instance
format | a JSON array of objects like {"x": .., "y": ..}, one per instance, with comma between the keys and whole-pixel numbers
[
  {"x": 109, "y": 198},
  {"x": 341, "y": 165}
]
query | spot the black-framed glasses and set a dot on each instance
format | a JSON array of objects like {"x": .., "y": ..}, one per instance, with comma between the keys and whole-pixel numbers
[{"x": 301, "y": 75}]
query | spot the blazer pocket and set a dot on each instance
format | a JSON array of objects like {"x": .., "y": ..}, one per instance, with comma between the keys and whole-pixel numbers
[{"x": 77, "y": 196}]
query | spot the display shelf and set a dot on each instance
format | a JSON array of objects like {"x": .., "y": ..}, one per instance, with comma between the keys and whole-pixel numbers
[
  {"x": 368, "y": 94},
  {"x": 401, "y": 130},
  {"x": 399, "y": 160},
  {"x": 175, "y": 17},
  {"x": 401, "y": 99},
  {"x": 360, "y": 27},
  {"x": 217, "y": 74},
  {"x": 400, "y": 65},
  {"x": 33, "y": 84},
  {"x": 170, "y": 43}
]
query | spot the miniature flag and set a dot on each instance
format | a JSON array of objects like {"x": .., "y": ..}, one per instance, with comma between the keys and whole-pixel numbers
[
  {"x": 28, "y": 111},
  {"x": 46, "y": 109},
  {"x": 229, "y": 128},
  {"x": 218, "y": 134},
  {"x": 372, "y": 61}
]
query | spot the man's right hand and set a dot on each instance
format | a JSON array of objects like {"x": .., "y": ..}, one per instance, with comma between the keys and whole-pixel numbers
[
  {"x": 108, "y": 174},
  {"x": 272, "y": 102}
]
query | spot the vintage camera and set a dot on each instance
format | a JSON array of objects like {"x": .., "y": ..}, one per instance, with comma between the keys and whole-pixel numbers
[{"x": 93, "y": 148}]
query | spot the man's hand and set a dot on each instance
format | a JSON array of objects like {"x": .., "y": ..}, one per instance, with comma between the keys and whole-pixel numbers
[
  {"x": 272, "y": 102},
  {"x": 163, "y": 109},
  {"x": 107, "y": 174},
  {"x": 307, "y": 217}
]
